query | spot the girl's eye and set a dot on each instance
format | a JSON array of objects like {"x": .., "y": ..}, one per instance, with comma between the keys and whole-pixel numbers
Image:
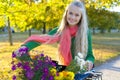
[
  {"x": 77, "y": 15},
  {"x": 70, "y": 13}
]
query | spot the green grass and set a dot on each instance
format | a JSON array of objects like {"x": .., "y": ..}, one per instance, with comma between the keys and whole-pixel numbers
[
  {"x": 105, "y": 47},
  {"x": 107, "y": 39}
]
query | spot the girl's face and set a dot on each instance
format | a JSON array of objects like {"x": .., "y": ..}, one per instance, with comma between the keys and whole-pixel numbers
[{"x": 73, "y": 15}]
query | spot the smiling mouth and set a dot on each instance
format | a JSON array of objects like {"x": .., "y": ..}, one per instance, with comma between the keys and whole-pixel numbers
[{"x": 71, "y": 21}]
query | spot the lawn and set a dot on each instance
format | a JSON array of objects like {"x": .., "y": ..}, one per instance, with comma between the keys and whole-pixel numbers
[{"x": 105, "y": 47}]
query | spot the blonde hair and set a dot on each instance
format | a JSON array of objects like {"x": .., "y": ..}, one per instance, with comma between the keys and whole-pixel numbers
[{"x": 81, "y": 40}]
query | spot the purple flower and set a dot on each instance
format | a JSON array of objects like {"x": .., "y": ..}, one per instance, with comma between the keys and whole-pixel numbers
[
  {"x": 57, "y": 74},
  {"x": 53, "y": 64},
  {"x": 39, "y": 63},
  {"x": 14, "y": 67},
  {"x": 13, "y": 55},
  {"x": 23, "y": 50},
  {"x": 30, "y": 74},
  {"x": 19, "y": 64},
  {"x": 26, "y": 49},
  {"x": 14, "y": 77},
  {"x": 36, "y": 68},
  {"x": 46, "y": 58},
  {"x": 51, "y": 78},
  {"x": 43, "y": 77},
  {"x": 31, "y": 68},
  {"x": 41, "y": 55},
  {"x": 26, "y": 66},
  {"x": 46, "y": 70}
]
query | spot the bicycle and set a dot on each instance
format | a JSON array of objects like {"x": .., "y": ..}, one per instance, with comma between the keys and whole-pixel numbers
[{"x": 89, "y": 75}]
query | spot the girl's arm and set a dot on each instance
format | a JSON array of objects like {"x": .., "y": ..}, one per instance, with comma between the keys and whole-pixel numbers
[
  {"x": 90, "y": 56},
  {"x": 32, "y": 44}
]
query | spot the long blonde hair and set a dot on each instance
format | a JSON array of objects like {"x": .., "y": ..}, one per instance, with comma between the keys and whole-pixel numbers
[{"x": 81, "y": 40}]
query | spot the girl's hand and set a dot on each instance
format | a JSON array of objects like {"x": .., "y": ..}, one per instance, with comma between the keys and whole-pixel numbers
[
  {"x": 89, "y": 65},
  {"x": 17, "y": 51}
]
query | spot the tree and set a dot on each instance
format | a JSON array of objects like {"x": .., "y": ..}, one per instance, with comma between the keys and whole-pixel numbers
[
  {"x": 102, "y": 4},
  {"x": 99, "y": 16},
  {"x": 5, "y": 6},
  {"x": 46, "y": 14}
]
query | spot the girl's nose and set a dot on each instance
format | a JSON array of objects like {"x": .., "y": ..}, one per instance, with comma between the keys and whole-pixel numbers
[{"x": 72, "y": 16}]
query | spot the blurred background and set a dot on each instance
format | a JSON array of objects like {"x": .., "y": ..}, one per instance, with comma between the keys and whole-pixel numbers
[{"x": 21, "y": 18}]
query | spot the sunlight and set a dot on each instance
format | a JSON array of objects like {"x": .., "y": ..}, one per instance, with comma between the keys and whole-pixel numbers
[{"x": 115, "y": 9}]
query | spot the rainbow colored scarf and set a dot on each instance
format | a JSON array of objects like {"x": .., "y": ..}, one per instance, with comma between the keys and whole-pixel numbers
[{"x": 64, "y": 40}]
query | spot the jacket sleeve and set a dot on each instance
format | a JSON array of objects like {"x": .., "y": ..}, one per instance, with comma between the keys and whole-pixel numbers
[
  {"x": 90, "y": 56},
  {"x": 33, "y": 44}
]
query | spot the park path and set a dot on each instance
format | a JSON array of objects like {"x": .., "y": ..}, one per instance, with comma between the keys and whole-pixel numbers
[
  {"x": 3, "y": 35},
  {"x": 110, "y": 69}
]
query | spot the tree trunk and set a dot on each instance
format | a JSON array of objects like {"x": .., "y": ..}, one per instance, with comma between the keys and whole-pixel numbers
[
  {"x": 9, "y": 33},
  {"x": 102, "y": 31},
  {"x": 29, "y": 32},
  {"x": 118, "y": 30},
  {"x": 44, "y": 28},
  {"x": 93, "y": 30},
  {"x": 109, "y": 30}
]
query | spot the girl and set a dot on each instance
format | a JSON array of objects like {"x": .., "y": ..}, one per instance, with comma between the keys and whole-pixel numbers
[{"x": 73, "y": 36}]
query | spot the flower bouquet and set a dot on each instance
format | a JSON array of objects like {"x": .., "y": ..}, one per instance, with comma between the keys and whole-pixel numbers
[
  {"x": 78, "y": 65},
  {"x": 37, "y": 67}
]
